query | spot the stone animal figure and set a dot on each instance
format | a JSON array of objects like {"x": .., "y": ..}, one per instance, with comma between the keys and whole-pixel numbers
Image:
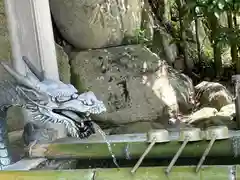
[{"x": 46, "y": 101}]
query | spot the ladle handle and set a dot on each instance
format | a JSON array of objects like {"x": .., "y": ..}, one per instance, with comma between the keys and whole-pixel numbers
[
  {"x": 177, "y": 155},
  {"x": 206, "y": 153},
  {"x": 143, "y": 155}
]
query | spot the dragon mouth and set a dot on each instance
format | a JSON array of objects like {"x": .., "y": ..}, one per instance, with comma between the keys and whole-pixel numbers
[
  {"x": 73, "y": 115},
  {"x": 82, "y": 121}
]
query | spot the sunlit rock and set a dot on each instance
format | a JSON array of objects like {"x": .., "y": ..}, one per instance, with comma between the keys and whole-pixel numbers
[
  {"x": 200, "y": 115},
  {"x": 134, "y": 83},
  {"x": 88, "y": 24},
  {"x": 212, "y": 94}
]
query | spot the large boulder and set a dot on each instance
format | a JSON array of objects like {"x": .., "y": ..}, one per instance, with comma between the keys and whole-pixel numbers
[
  {"x": 134, "y": 83},
  {"x": 213, "y": 94},
  {"x": 96, "y": 23}
]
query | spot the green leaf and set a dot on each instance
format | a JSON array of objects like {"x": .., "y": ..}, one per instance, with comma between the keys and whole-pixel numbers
[
  {"x": 221, "y": 4},
  {"x": 228, "y": 1},
  {"x": 217, "y": 15},
  {"x": 197, "y": 10},
  {"x": 175, "y": 41}
]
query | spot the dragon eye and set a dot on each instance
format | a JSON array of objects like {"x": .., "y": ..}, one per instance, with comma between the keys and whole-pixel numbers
[
  {"x": 74, "y": 96},
  {"x": 62, "y": 98}
]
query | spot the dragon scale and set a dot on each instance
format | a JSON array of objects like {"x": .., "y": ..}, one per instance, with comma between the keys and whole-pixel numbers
[
  {"x": 9, "y": 97},
  {"x": 47, "y": 101}
]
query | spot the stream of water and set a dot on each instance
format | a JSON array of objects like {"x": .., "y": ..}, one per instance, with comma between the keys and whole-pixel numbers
[{"x": 108, "y": 144}]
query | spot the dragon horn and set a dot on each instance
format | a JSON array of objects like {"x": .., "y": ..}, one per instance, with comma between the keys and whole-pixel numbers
[
  {"x": 18, "y": 77},
  {"x": 33, "y": 69}
]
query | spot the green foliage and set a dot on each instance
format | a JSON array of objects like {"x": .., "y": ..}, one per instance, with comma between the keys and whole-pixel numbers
[
  {"x": 227, "y": 36},
  {"x": 140, "y": 36},
  {"x": 210, "y": 12},
  {"x": 207, "y": 7},
  {"x": 212, "y": 6},
  {"x": 213, "y": 14}
]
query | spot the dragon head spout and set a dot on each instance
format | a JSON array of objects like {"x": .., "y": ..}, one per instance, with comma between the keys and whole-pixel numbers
[{"x": 56, "y": 102}]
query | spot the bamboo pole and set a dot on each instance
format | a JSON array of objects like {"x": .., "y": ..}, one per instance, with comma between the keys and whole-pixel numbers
[
  {"x": 149, "y": 173},
  {"x": 126, "y": 147}
]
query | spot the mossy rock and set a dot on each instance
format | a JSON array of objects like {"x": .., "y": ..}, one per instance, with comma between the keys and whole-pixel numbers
[
  {"x": 131, "y": 81},
  {"x": 97, "y": 24},
  {"x": 63, "y": 64}
]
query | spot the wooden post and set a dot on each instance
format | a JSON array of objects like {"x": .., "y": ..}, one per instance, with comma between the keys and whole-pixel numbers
[
  {"x": 30, "y": 28},
  {"x": 31, "y": 35},
  {"x": 236, "y": 80}
]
